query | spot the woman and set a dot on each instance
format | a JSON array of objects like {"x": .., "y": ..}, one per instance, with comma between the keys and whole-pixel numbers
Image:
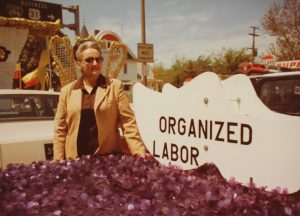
[{"x": 90, "y": 111}]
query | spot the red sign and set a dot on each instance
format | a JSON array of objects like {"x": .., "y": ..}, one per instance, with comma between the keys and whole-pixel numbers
[
  {"x": 289, "y": 64},
  {"x": 269, "y": 59}
]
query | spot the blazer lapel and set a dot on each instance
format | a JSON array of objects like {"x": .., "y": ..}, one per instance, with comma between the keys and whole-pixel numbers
[
  {"x": 100, "y": 94},
  {"x": 76, "y": 99},
  {"x": 102, "y": 90}
]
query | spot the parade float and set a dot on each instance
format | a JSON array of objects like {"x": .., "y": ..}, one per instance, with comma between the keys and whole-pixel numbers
[
  {"x": 14, "y": 33},
  {"x": 21, "y": 20},
  {"x": 127, "y": 185},
  {"x": 216, "y": 150}
]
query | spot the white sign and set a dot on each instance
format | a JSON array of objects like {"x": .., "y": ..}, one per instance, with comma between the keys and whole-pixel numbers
[
  {"x": 145, "y": 70},
  {"x": 34, "y": 14},
  {"x": 145, "y": 52},
  {"x": 220, "y": 122}
]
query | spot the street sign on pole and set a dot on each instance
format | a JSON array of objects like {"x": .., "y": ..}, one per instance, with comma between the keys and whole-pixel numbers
[
  {"x": 145, "y": 70},
  {"x": 29, "y": 9},
  {"x": 145, "y": 52}
]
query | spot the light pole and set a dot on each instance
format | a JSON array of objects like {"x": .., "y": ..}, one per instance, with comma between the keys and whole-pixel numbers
[{"x": 143, "y": 27}]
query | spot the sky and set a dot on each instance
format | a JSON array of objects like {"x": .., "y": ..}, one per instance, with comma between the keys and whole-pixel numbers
[{"x": 177, "y": 28}]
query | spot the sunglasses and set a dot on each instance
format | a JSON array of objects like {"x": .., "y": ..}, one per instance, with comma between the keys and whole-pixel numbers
[{"x": 90, "y": 60}]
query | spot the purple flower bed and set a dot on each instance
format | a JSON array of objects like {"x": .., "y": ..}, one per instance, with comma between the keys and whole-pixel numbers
[{"x": 127, "y": 185}]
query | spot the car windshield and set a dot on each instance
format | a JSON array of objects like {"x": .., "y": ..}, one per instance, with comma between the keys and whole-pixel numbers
[
  {"x": 282, "y": 96},
  {"x": 18, "y": 107}
]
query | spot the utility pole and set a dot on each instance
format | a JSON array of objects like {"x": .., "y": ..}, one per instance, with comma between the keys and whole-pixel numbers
[
  {"x": 143, "y": 27},
  {"x": 254, "y": 50},
  {"x": 76, "y": 25}
]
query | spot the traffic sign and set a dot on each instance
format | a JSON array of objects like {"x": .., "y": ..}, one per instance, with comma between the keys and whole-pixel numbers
[
  {"x": 145, "y": 70},
  {"x": 145, "y": 52},
  {"x": 29, "y": 9}
]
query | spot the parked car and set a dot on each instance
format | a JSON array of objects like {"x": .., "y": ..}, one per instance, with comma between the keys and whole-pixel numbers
[
  {"x": 280, "y": 91},
  {"x": 26, "y": 125}
]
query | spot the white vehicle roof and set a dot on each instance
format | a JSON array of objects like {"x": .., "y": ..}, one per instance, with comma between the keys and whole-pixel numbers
[
  {"x": 276, "y": 74},
  {"x": 26, "y": 92}
]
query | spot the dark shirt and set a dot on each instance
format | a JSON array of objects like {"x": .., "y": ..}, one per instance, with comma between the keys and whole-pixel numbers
[{"x": 87, "y": 140}]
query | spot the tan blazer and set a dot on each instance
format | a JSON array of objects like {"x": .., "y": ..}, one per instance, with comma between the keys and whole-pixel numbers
[{"x": 112, "y": 109}]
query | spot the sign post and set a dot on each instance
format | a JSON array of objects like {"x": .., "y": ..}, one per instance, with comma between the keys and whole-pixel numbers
[
  {"x": 143, "y": 32},
  {"x": 33, "y": 10}
]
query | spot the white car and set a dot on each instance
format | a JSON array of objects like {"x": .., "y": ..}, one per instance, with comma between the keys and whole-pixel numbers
[
  {"x": 26, "y": 125},
  {"x": 280, "y": 91}
]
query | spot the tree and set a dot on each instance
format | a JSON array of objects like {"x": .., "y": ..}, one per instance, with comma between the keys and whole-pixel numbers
[
  {"x": 224, "y": 64},
  {"x": 203, "y": 64},
  {"x": 283, "y": 22},
  {"x": 227, "y": 62}
]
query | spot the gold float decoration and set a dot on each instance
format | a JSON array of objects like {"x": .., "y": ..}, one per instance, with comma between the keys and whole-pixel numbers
[
  {"x": 79, "y": 40},
  {"x": 62, "y": 53},
  {"x": 36, "y": 28},
  {"x": 117, "y": 54},
  {"x": 114, "y": 53}
]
